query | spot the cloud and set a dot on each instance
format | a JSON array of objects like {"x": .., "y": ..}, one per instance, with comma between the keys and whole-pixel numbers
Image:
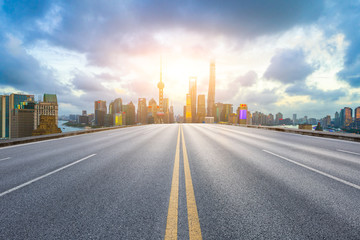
[
  {"x": 248, "y": 79},
  {"x": 21, "y": 71},
  {"x": 121, "y": 27},
  {"x": 233, "y": 87},
  {"x": 314, "y": 93},
  {"x": 289, "y": 66}
]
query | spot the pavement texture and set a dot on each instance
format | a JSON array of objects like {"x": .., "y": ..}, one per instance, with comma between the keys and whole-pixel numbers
[{"x": 116, "y": 184}]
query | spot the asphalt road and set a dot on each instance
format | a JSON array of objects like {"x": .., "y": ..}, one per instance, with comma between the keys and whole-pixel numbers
[{"x": 161, "y": 181}]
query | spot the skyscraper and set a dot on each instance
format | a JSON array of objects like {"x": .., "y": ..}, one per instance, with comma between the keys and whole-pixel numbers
[
  {"x": 201, "y": 111},
  {"x": 4, "y": 117},
  {"x": 142, "y": 111},
  {"x": 357, "y": 114},
  {"x": 100, "y": 112},
  {"x": 294, "y": 119},
  {"x": 345, "y": 117},
  {"x": 117, "y": 105},
  {"x": 161, "y": 86},
  {"x": 188, "y": 116},
  {"x": 242, "y": 113},
  {"x": 211, "y": 93},
  {"x": 278, "y": 117},
  {"x": 130, "y": 113},
  {"x": 193, "y": 94}
]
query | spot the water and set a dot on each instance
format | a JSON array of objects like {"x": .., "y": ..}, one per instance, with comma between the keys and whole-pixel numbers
[{"x": 65, "y": 128}]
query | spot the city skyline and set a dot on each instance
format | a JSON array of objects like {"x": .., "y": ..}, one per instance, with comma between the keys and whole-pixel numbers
[{"x": 305, "y": 62}]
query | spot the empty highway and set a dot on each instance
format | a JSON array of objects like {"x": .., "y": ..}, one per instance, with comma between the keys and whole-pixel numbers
[{"x": 197, "y": 181}]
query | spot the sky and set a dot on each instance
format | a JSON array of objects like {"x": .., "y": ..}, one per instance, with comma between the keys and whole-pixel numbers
[{"x": 276, "y": 56}]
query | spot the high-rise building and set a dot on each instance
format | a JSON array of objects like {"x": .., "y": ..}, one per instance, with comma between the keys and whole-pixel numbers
[
  {"x": 111, "y": 108},
  {"x": 294, "y": 119},
  {"x": 201, "y": 109},
  {"x": 22, "y": 119},
  {"x": 217, "y": 111},
  {"x": 278, "y": 117},
  {"x": 8, "y": 104},
  {"x": 193, "y": 95},
  {"x": 48, "y": 107},
  {"x": 166, "y": 110},
  {"x": 225, "y": 112},
  {"x": 211, "y": 93},
  {"x": 129, "y": 110},
  {"x": 242, "y": 113},
  {"x": 118, "y": 105},
  {"x": 4, "y": 117},
  {"x": 270, "y": 120},
  {"x": 345, "y": 117},
  {"x": 188, "y": 112},
  {"x": 357, "y": 114},
  {"x": 171, "y": 114},
  {"x": 161, "y": 85},
  {"x": 142, "y": 111},
  {"x": 100, "y": 112},
  {"x": 337, "y": 120}
]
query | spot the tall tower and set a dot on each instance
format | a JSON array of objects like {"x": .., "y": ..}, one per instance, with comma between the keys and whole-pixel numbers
[
  {"x": 161, "y": 86},
  {"x": 193, "y": 93},
  {"x": 211, "y": 93}
]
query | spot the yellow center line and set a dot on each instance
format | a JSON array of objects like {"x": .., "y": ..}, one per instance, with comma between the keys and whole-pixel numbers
[
  {"x": 193, "y": 218},
  {"x": 172, "y": 217}
]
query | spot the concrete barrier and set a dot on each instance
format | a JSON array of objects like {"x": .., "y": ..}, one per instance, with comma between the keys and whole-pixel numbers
[
  {"x": 342, "y": 136},
  {"x": 15, "y": 141}
]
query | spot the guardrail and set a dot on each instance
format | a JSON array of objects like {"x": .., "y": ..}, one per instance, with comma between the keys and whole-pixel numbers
[
  {"x": 342, "y": 136},
  {"x": 15, "y": 141}
]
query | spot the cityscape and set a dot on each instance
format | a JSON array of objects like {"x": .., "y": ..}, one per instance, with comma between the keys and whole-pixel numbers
[
  {"x": 179, "y": 119},
  {"x": 20, "y": 114}
]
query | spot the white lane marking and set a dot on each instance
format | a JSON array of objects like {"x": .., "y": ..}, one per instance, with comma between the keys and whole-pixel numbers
[
  {"x": 348, "y": 152},
  {"x": 315, "y": 170},
  {"x": 3, "y": 159},
  {"x": 45, "y": 175}
]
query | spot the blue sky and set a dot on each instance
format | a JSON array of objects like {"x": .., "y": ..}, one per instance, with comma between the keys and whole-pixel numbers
[{"x": 290, "y": 56}]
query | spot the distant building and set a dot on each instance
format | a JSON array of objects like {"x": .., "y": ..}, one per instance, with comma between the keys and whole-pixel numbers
[
  {"x": 345, "y": 117},
  {"x": 22, "y": 119},
  {"x": 188, "y": 109},
  {"x": 4, "y": 117},
  {"x": 217, "y": 113},
  {"x": 294, "y": 119},
  {"x": 193, "y": 94},
  {"x": 171, "y": 115},
  {"x": 209, "y": 119},
  {"x": 278, "y": 116},
  {"x": 129, "y": 110},
  {"x": 233, "y": 118},
  {"x": 142, "y": 111},
  {"x": 270, "y": 120},
  {"x": 201, "y": 110},
  {"x": 357, "y": 114},
  {"x": 227, "y": 109},
  {"x": 242, "y": 113},
  {"x": 337, "y": 120},
  {"x": 49, "y": 107},
  {"x": 286, "y": 121},
  {"x": 47, "y": 126},
  {"x": 8, "y": 104},
  {"x": 211, "y": 93},
  {"x": 100, "y": 112}
]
